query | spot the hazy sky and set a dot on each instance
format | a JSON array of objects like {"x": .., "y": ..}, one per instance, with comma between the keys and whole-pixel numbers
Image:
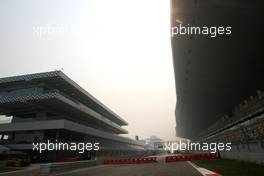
[{"x": 118, "y": 50}]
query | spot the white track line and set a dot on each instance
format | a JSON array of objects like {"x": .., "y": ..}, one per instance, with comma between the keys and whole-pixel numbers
[{"x": 203, "y": 171}]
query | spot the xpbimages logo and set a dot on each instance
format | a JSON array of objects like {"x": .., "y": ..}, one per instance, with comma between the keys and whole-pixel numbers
[
  {"x": 212, "y": 147},
  {"x": 212, "y": 31},
  {"x": 64, "y": 146},
  {"x": 48, "y": 30}
]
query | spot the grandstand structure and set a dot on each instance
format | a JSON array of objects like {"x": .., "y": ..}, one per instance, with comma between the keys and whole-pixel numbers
[
  {"x": 244, "y": 128},
  {"x": 213, "y": 75},
  {"x": 245, "y": 114},
  {"x": 216, "y": 77},
  {"x": 51, "y": 106}
]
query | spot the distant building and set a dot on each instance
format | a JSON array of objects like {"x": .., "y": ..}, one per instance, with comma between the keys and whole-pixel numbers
[
  {"x": 154, "y": 141},
  {"x": 136, "y": 138}
]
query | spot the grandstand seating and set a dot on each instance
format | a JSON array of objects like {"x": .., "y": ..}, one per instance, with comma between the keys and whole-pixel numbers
[{"x": 245, "y": 123}]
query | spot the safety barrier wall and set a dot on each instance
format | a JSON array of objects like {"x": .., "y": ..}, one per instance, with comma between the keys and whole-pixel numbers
[
  {"x": 131, "y": 160},
  {"x": 189, "y": 157}
]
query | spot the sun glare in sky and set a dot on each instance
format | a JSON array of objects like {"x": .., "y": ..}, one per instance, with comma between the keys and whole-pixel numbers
[{"x": 117, "y": 50}]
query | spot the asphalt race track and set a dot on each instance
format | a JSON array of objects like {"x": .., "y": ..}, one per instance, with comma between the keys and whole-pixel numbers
[{"x": 155, "y": 169}]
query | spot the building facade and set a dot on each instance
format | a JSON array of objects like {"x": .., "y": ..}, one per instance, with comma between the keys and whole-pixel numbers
[{"x": 51, "y": 107}]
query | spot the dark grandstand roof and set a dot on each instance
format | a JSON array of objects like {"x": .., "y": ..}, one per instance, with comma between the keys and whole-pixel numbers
[{"x": 63, "y": 83}]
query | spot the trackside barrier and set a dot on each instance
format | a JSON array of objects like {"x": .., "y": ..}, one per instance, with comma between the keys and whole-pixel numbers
[
  {"x": 132, "y": 160},
  {"x": 32, "y": 170},
  {"x": 201, "y": 156}
]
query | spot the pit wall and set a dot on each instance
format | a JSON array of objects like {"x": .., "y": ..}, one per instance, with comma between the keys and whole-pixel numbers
[{"x": 46, "y": 169}]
